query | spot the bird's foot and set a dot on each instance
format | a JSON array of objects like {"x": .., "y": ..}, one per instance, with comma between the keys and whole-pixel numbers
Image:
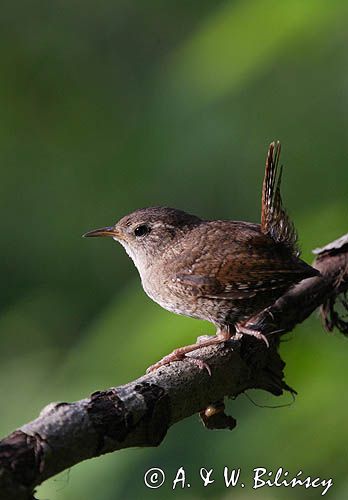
[
  {"x": 241, "y": 328},
  {"x": 180, "y": 354}
]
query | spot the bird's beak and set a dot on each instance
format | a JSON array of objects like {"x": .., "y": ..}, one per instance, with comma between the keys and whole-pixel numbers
[{"x": 103, "y": 231}]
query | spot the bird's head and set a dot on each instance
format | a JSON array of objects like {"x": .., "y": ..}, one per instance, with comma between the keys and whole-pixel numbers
[{"x": 148, "y": 232}]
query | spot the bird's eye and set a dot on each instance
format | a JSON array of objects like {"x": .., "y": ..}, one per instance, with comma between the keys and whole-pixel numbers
[{"x": 142, "y": 230}]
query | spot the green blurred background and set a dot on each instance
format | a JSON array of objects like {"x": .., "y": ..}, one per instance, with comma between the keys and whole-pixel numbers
[{"x": 114, "y": 105}]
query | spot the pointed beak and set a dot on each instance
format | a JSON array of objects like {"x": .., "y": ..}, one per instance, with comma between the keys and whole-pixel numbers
[{"x": 103, "y": 231}]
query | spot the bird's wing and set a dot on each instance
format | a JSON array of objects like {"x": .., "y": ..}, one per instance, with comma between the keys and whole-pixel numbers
[
  {"x": 250, "y": 267},
  {"x": 275, "y": 222},
  {"x": 238, "y": 287}
]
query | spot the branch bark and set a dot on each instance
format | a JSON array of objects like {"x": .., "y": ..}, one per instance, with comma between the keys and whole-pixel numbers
[{"x": 140, "y": 413}]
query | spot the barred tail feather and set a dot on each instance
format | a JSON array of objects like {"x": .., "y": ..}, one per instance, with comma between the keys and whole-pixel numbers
[{"x": 275, "y": 222}]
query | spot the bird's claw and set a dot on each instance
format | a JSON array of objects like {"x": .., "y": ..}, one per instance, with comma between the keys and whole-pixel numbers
[
  {"x": 202, "y": 365},
  {"x": 170, "y": 358},
  {"x": 166, "y": 360},
  {"x": 254, "y": 333}
]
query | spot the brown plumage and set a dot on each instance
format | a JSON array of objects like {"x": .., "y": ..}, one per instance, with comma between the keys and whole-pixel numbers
[
  {"x": 275, "y": 222},
  {"x": 219, "y": 270}
]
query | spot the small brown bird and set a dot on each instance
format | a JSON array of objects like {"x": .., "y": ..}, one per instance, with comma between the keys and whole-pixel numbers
[{"x": 217, "y": 270}]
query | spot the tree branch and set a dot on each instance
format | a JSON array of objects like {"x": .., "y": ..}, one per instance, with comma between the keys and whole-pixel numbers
[{"x": 140, "y": 413}]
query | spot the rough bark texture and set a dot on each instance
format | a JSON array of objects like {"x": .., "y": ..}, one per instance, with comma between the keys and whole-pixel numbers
[{"x": 140, "y": 413}]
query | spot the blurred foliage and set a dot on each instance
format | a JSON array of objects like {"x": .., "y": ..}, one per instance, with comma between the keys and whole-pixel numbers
[{"x": 111, "y": 106}]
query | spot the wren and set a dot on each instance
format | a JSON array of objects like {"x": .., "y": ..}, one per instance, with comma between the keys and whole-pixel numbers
[{"x": 218, "y": 270}]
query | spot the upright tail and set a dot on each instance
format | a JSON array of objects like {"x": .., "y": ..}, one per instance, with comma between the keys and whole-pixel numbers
[{"x": 275, "y": 222}]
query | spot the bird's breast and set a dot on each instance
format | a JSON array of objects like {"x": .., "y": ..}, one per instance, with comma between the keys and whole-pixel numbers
[{"x": 155, "y": 285}]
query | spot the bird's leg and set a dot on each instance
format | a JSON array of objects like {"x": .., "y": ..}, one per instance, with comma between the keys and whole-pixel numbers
[
  {"x": 180, "y": 353},
  {"x": 244, "y": 330}
]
